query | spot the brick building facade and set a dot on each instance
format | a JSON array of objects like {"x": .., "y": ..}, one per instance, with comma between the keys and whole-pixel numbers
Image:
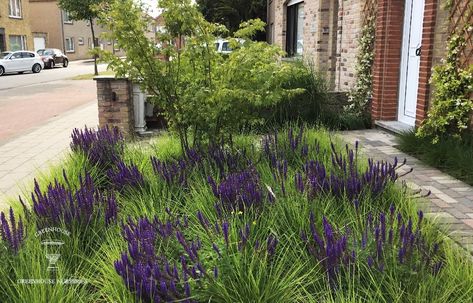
[
  {"x": 52, "y": 28},
  {"x": 15, "y": 32},
  {"x": 328, "y": 32},
  {"x": 410, "y": 39}
]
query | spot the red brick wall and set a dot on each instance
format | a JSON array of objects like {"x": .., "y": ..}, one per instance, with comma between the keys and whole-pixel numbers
[
  {"x": 386, "y": 67},
  {"x": 423, "y": 94},
  {"x": 115, "y": 102}
]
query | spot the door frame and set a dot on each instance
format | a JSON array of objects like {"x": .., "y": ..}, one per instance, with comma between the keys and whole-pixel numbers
[{"x": 404, "y": 68}]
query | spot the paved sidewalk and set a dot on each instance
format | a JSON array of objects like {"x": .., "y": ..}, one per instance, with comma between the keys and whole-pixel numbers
[
  {"x": 450, "y": 202},
  {"x": 22, "y": 157}
]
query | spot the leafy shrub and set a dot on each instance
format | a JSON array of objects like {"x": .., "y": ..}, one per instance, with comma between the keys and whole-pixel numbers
[
  {"x": 452, "y": 104},
  {"x": 203, "y": 95}
]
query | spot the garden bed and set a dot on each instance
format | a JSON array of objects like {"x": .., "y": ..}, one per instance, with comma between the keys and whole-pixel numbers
[{"x": 287, "y": 217}]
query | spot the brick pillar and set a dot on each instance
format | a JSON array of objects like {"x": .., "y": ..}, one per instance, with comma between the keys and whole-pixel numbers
[
  {"x": 425, "y": 72},
  {"x": 387, "y": 60},
  {"x": 115, "y": 102}
]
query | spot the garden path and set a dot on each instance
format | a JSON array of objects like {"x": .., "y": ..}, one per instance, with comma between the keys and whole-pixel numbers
[
  {"x": 24, "y": 157},
  {"x": 451, "y": 201}
]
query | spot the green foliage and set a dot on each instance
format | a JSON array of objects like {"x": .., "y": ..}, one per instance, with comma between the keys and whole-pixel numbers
[
  {"x": 361, "y": 93},
  {"x": 448, "y": 154},
  {"x": 80, "y": 9},
  {"x": 452, "y": 105},
  {"x": 203, "y": 95},
  {"x": 232, "y": 12}
]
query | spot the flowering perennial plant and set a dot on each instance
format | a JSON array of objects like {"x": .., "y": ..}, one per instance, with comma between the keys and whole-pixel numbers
[
  {"x": 125, "y": 175},
  {"x": 103, "y": 147},
  {"x": 238, "y": 191},
  {"x": 329, "y": 248},
  {"x": 160, "y": 277},
  {"x": 344, "y": 178},
  {"x": 392, "y": 235},
  {"x": 61, "y": 204},
  {"x": 386, "y": 241},
  {"x": 172, "y": 172},
  {"x": 12, "y": 233}
]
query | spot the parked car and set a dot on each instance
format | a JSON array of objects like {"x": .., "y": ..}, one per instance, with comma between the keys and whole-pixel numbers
[
  {"x": 53, "y": 56},
  {"x": 222, "y": 46},
  {"x": 4, "y": 54},
  {"x": 20, "y": 62}
]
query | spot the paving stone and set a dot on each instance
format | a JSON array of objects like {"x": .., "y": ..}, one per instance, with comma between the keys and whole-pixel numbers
[
  {"x": 39, "y": 148},
  {"x": 451, "y": 201},
  {"x": 468, "y": 222}
]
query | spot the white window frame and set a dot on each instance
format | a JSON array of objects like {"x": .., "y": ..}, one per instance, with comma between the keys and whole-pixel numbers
[
  {"x": 66, "y": 17},
  {"x": 23, "y": 45},
  {"x": 70, "y": 42},
  {"x": 15, "y": 9}
]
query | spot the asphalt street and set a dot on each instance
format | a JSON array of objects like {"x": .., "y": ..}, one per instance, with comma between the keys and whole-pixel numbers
[
  {"x": 28, "y": 101},
  {"x": 75, "y": 68}
]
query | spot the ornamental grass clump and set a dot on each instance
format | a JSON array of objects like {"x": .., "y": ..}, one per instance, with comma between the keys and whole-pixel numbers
[
  {"x": 61, "y": 204},
  {"x": 12, "y": 233},
  {"x": 293, "y": 146},
  {"x": 103, "y": 147},
  {"x": 391, "y": 240},
  {"x": 173, "y": 172},
  {"x": 125, "y": 176}
]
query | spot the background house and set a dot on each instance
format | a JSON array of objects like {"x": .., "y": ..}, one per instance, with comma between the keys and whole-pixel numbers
[
  {"x": 15, "y": 32},
  {"x": 53, "y": 28},
  {"x": 325, "y": 32},
  {"x": 410, "y": 38}
]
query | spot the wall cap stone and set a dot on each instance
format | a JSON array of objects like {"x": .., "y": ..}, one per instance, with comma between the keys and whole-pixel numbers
[{"x": 109, "y": 77}]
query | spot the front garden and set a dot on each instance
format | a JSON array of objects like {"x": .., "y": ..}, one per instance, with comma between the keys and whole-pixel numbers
[
  {"x": 292, "y": 216},
  {"x": 241, "y": 200}
]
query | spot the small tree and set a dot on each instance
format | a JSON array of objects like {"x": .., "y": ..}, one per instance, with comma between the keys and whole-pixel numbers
[
  {"x": 203, "y": 94},
  {"x": 83, "y": 10}
]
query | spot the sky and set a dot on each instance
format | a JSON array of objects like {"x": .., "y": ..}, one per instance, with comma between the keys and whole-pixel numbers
[{"x": 153, "y": 5}]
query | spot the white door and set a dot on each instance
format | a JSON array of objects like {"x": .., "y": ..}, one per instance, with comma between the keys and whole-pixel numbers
[
  {"x": 410, "y": 61},
  {"x": 39, "y": 43}
]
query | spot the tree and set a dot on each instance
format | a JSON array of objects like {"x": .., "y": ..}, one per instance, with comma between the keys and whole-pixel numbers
[
  {"x": 83, "y": 10},
  {"x": 233, "y": 12},
  {"x": 204, "y": 95}
]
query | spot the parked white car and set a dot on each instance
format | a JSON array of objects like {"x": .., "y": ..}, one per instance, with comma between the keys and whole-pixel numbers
[
  {"x": 222, "y": 46},
  {"x": 20, "y": 62}
]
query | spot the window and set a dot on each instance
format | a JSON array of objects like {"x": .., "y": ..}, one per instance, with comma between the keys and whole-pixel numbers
[
  {"x": 295, "y": 28},
  {"x": 69, "y": 45},
  {"x": 116, "y": 46},
  {"x": 27, "y": 55},
  {"x": 3, "y": 47},
  {"x": 89, "y": 42},
  {"x": 17, "y": 42},
  {"x": 67, "y": 17},
  {"x": 14, "y": 8},
  {"x": 80, "y": 40}
]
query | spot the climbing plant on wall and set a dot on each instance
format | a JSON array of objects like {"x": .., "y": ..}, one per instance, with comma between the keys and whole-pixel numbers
[
  {"x": 358, "y": 98},
  {"x": 452, "y": 104}
]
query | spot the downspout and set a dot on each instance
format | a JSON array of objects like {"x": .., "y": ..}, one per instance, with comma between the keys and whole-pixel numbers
[
  {"x": 340, "y": 49},
  {"x": 61, "y": 12}
]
